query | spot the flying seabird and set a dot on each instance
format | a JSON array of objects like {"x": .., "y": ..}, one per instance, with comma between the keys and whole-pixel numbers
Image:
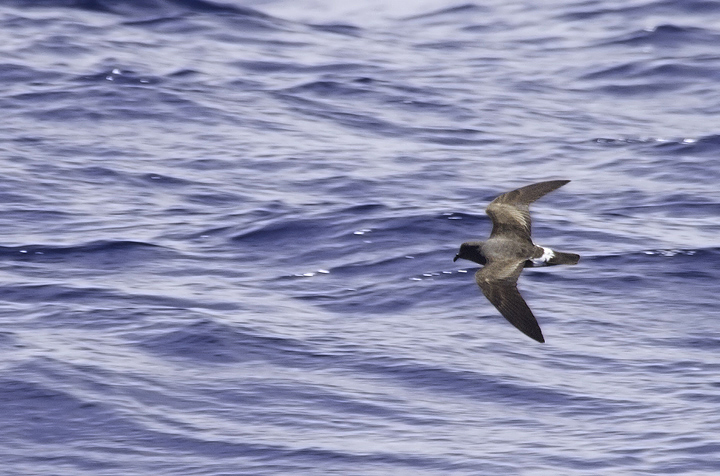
[{"x": 510, "y": 249}]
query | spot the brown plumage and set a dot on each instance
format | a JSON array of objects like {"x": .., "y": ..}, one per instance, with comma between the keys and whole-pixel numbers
[{"x": 510, "y": 249}]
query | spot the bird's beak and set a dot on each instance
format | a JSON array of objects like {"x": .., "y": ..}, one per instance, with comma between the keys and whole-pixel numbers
[{"x": 456, "y": 258}]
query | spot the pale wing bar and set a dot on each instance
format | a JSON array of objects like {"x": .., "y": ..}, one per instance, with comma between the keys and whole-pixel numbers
[{"x": 510, "y": 212}]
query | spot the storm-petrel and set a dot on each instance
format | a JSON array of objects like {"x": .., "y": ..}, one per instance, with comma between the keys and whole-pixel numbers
[{"x": 510, "y": 249}]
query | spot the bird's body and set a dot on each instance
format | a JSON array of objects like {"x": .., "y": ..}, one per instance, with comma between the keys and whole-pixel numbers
[{"x": 510, "y": 249}]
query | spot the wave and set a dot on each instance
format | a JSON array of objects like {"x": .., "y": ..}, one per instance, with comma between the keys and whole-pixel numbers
[
  {"x": 102, "y": 256},
  {"x": 42, "y": 409},
  {"x": 650, "y": 70},
  {"x": 703, "y": 254},
  {"x": 372, "y": 122},
  {"x": 689, "y": 159},
  {"x": 17, "y": 73},
  {"x": 702, "y": 146},
  {"x": 137, "y": 7},
  {"x": 101, "y": 247},
  {"x": 338, "y": 28},
  {"x": 210, "y": 341},
  {"x": 664, "y": 8},
  {"x": 667, "y": 35},
  {"x": 462, "y": 11}
]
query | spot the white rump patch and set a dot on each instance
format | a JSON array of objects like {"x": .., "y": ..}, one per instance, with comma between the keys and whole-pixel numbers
[{"x": 547, "y": 255}]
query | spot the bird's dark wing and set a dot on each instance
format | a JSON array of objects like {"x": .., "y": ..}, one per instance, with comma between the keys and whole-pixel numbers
[
  {"x": 498, "y": 281},
  {"x": 510, "y": 212}
]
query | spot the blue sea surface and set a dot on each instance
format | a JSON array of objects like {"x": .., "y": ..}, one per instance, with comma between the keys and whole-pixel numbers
[{"x": 228, "y": 230}]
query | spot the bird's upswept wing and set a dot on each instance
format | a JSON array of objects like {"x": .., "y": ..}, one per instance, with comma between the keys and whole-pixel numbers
[
  {"x": 498, "y": 281},
  {"x": 510, "y": 212}
]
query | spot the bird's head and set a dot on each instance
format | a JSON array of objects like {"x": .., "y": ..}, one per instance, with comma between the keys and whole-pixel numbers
[{"x": 472, "y": 251}]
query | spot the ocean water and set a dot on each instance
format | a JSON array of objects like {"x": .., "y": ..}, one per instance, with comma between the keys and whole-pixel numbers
[{"x": 228, "y": 231}]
